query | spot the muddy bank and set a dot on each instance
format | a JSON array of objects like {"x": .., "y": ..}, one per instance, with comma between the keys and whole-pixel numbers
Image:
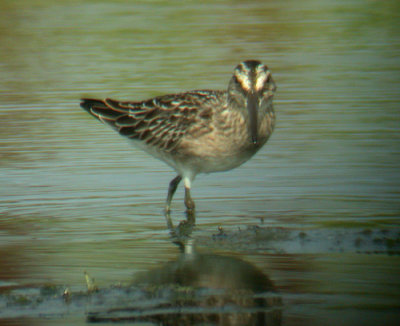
[
  {"x": 302, "y": 241},
  {"x": 199, "y": 288},
  {"x": 194, "y": 289}
]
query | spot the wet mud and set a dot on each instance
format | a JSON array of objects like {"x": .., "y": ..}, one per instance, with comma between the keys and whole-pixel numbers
[{"x": 196, "y": 288}]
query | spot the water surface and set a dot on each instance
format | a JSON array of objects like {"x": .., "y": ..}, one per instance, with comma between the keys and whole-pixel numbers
[{"x": 75, "y": 196}]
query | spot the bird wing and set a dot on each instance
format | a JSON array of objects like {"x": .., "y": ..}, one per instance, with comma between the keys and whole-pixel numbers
[{"x": 162, "y": 121}]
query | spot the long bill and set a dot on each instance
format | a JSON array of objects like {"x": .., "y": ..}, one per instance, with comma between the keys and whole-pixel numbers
[{"x": 252, "y": 108}]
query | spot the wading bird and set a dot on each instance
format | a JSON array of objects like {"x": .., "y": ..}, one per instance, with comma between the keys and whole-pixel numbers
[{"x": 199, "y": 131}]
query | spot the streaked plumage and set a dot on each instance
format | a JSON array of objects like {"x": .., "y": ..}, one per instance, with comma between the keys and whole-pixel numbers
[{"x": 198, "y": 131}]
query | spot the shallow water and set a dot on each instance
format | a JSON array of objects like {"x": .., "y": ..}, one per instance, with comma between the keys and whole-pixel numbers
[{"x": 75, "y": 196}]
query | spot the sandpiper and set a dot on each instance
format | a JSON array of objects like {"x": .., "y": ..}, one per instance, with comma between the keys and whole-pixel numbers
[{"x": 199, "y": 131}]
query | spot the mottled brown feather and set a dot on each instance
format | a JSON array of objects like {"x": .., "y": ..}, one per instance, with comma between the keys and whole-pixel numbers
[{"x": 162, "y": 121}]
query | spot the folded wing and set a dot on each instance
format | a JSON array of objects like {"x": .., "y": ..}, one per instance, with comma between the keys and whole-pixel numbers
[{"x": 162, "y": 121}]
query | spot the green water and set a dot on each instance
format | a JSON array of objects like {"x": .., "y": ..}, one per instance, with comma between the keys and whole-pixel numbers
[{"x": 75, "y": 196}]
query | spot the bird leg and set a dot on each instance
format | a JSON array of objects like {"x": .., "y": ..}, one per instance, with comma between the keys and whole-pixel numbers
[
  {"x": 171, "y": 191},
  {"x": 189, "y": 203}
]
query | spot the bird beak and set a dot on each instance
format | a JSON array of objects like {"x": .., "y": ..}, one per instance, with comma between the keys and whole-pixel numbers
[{"x": 252, "y": 108}]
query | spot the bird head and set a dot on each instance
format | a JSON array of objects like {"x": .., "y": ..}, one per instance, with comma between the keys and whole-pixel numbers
[{"x": 251, "y": 89}]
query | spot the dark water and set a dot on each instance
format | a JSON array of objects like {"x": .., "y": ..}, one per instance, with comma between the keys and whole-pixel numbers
[{"x": 74, "y": 196}]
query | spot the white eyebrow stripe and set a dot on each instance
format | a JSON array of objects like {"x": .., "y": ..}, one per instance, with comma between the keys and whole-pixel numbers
[
  {"x": 246, "y": 83},
  {"x": 242, "y": 73},
  {"x": 261, "y": 79}
]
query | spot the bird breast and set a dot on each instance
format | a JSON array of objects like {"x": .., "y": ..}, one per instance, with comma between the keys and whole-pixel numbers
[{"x": 227, "y": 145}]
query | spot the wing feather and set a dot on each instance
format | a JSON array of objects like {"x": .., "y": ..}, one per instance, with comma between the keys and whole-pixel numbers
[{"x": 162, "y": 121}]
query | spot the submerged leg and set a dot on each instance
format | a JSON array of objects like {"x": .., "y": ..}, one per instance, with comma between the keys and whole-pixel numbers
[
  {"x": 189, "y": 203},
  {"x": 171, "y": 191}
]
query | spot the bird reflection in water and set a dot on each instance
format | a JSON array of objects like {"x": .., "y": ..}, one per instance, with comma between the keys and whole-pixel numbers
[{"x": 201, "y": 289}]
